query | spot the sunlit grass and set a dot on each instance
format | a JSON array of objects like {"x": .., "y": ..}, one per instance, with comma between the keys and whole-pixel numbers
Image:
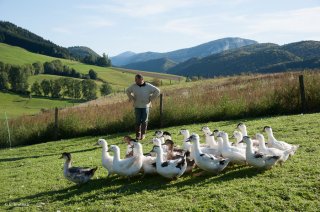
[{"x": 32, "y": 178}]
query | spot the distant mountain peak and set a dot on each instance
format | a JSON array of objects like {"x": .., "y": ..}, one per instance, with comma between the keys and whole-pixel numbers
[{"x": 182, "y": 55}]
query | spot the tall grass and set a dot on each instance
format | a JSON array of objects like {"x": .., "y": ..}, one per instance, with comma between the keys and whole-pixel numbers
[{"x": 203, "y": 101}]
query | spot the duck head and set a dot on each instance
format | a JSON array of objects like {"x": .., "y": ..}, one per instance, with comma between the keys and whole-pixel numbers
[
  {"x": 66, "y": 156},
  {"x": 246, "y": 140},
  {"x": 267, "y": 129},
  {"x": 260, "y": 137},
  {"x": 205, "y": 129},
  {"x": 101, "y": 142},
  {"x": 194, "y": 137},
  {"x": 158, "y": 133},
  {"x": 156, "y": 149},
  {"x": 237, "y": 135},
  {"x": 114, "y": 148}
]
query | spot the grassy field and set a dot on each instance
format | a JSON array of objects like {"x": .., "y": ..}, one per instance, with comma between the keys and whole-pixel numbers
[
  {"x": 15, "y": 105},
  {"x": 119, "y": 79},
  {"x": 32, "y": 178}
]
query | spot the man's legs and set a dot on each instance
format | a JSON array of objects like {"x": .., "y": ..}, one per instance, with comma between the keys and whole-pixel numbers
[
  {"x": 144, "y": 120},
  {"x": 137, "y": 112}
]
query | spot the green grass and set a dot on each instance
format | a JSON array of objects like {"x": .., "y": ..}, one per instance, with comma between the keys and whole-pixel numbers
[
  {"x": 15, "y": 105},
  {"x": 119, "y": 79},
  {"x": 32, "y": 179}
]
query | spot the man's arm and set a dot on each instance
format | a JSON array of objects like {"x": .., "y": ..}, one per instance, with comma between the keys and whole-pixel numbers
[
  {"x": 155, "y": 92},
  {"x": 129, "y": 93}
]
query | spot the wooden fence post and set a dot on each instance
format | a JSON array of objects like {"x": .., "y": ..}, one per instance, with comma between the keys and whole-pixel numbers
[
  {"x": 302, "y": 94},
  {"x": 56, "y": 126},
  {"x": 161, "y": 110}
]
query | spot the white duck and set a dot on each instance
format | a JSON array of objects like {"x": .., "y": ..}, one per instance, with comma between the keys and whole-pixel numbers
[
  {"x": 207, "y": 162},
  {"x": 128, "y": 166},
  {"x": 258, "y": 160},
  {"x": 77, "y": 175},
  {"x": 107, "y": 160},
  {"x": 186, "y": 134},
  {"x": 243, "y": 129},
  {"x": 210, "y": 141},
  {"x": 149, "y": 165},
  {"x": 171, "y": 169},
  {"x": 238, "y": 136},
  {"x": 236, "y": 155},
  {"x": 273, "y": 142},
  {"x": 206, "y": 129},
  {"x": 284, "y": 155}
]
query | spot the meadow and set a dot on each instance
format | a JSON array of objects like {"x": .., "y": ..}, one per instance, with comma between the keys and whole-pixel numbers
[
  {"x": 207, "y": 100},
  {"x": 32, "y": 179},
  {"x": 17, "y": 105},
  {"x": 118, "y": 78}
]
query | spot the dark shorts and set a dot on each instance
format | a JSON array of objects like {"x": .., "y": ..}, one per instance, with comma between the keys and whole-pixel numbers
[{"x": 142, "y": 115}]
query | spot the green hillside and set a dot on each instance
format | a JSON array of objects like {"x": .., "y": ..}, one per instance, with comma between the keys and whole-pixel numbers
[
  {"x": 118, "y": 79},
  {"x": 15, "y": 105}
]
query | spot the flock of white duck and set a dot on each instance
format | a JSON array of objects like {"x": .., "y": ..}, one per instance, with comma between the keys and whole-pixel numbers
[{"x": 171, "y": 162}]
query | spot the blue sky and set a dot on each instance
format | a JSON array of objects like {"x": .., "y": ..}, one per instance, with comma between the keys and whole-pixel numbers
[{"x": 115, "y": 26}]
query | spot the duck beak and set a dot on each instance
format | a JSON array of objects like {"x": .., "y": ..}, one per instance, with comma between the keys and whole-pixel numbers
[
  {"x": 60, "y": 157},
  {"x": 241, "y": 141},
  {"x": 96, "y": 144},
  {"x": 232, "y": 136}
]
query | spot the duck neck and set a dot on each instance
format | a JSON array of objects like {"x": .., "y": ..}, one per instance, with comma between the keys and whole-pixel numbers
[
  {"x": 262, "y": 144},
  {"x": 270, "y": 136},
  {"x": 196, "y": 146},
  {"x": 67, "y": 164},
  {"x": 226, "y": 142},
  {"x": 186, "y": 136},
  {"x": 159, "y": 157},
  {"x": 105, "y": 153},
  {"x": 244, "y": 131},
  {"x": 249, "y": 149},
  {"x": 116, "y": 156}
]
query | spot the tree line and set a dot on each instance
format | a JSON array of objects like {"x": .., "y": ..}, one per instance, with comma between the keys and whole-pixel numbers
[{"x": 15, "y": 78}]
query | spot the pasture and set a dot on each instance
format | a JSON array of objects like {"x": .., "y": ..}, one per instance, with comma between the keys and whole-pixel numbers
[
  {"x": 32, "y": 178},
  {"x": 16, "y": 105}
]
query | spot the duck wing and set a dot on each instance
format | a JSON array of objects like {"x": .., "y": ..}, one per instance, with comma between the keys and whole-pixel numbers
[
  {"x": 207, "y": 157},
  {"x": 127, "y": 163}
]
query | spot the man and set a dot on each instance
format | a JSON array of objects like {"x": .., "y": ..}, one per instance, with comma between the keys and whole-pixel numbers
[{"x": 142, "y": 93}]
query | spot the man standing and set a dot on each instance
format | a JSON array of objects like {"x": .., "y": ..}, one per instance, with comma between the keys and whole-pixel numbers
[{"x": 142, "y": 93}]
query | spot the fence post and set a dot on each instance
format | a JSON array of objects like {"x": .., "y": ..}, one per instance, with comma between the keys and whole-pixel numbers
[
  {"x": 9, "y": 136},
  {"x": 161, "y": 110},
  {"x": 56, "y": 126},
  {"x": 302, "y": 94}
]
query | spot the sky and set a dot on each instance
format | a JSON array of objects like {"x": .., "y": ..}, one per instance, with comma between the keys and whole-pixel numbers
[{"x": 116, "y": 26}]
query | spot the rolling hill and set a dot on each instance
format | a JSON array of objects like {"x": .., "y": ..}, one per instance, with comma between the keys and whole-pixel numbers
[
  {"x": 17, "y": 36},
  {"x": 262, "y": 58},
  {"x": 181, "y": 55},
  {"x": 80, "y": 52},
  {"x": 157, "y": 65}
]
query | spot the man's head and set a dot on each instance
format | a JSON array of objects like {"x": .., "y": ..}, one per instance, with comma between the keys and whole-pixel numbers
[{"x": 139, "y": 79}]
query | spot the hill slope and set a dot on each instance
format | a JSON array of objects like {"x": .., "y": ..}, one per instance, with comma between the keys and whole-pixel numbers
[
  {"x": 254, "y": 58},
  {"x": 80, "y": 52},
  {"x": 157, "y": 65},
  {"x": 17, "y": 36},
  {"x": 181, "y": 55}
]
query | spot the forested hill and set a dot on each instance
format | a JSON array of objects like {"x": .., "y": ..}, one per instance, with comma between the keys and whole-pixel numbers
[
  {"x": 17, "y": 36},
  {"x": 261, "y": 58}
]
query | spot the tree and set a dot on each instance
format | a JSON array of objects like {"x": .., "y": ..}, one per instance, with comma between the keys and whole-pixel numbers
[
  {"x": 56, "y": 86},
  {"x": 105, "y": 89},
  {"x": 89, "y": 89},
  {"x": 92, "y": 74},
  {"x": 77, "y": 89},
  {"x": 46, "y": 87},
  {"x": 4, "y": 85},
  {"x": 36, "y": 88},
  {"x": 38, "y": 68},
  {"x": 18, "y": 79},
  {"x": 103, "y": 61}
]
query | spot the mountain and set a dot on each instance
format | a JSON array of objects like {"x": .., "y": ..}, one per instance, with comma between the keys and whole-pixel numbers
[
  {"x": 260, "y": 58},
  {"x": 121, "y": 58},
  {"x": 80, "y": 52},
  {"x": 182, "y": 55},
  {"x": 157, "y": 65},
  {"x": 17, "y": 36}
]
